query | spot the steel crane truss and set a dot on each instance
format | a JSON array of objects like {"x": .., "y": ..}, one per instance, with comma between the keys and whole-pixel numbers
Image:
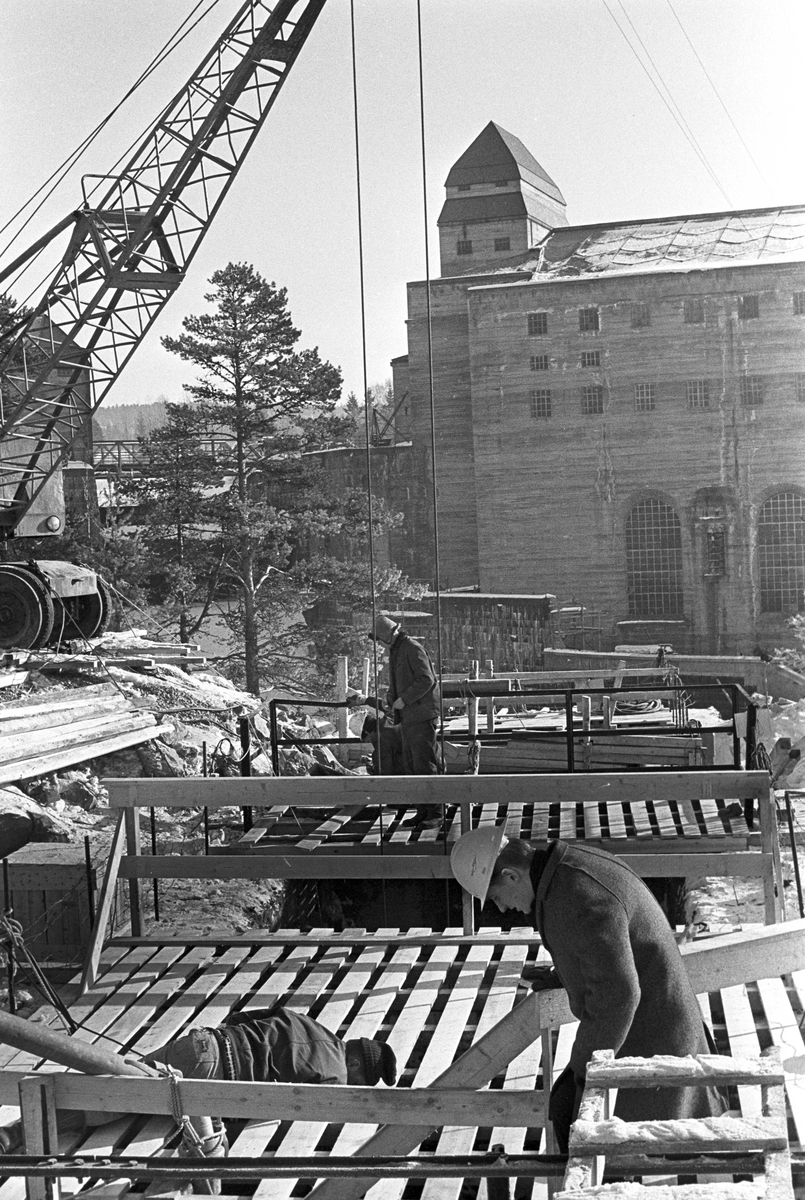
[{"x": 130, "y": 250}]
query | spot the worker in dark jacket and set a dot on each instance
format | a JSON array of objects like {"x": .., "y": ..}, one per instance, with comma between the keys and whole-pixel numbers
[
  {"x": 614, "y": 953},
  {"x": 413, "y": 700},
  {"x": 275, "y": 1045}
]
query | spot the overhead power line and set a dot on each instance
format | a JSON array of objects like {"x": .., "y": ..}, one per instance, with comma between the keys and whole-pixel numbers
[
  {"x": 58, "y": 175},
  {"x": 666, "y": 96},
  {"x": 720, "y": 100}
]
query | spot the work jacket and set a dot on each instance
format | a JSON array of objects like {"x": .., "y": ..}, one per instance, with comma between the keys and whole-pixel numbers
[
  {"x": 616, "y": 956},
  {"x": 412, "y": 680},
  {"x": 276, "y": 1045}
]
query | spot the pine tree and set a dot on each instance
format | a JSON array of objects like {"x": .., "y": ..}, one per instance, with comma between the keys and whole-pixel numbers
[{"x": 263, "y": 403}]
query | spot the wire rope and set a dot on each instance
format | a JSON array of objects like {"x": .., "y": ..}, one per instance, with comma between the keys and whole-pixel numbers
[
  {"x": 431, "y": 397},
  {"x": 669, "y": 100},
  {"x": 68, "y": 163},
  {"x": 364, "y": 369},
  {"x": 718, "y": 97}
]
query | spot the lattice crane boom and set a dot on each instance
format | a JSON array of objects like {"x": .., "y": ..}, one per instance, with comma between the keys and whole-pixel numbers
[{"x": 129, "y": 250}]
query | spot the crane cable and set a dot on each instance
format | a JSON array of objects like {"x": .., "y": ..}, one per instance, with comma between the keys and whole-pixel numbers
[
  {"x": 431, "y": 396},
  {"x": 60, "y": 172}
]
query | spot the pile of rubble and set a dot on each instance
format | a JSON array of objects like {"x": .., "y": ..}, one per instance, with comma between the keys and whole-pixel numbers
[{"x": 126, "y": 706}]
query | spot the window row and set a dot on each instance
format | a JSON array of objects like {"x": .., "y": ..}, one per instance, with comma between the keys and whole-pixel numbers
[
  {"x": 654, "y": 569},
  {"x": 697, "y": 395},
  {"x": 692, "y": 313},
  {"x": 464, "y": 245}
]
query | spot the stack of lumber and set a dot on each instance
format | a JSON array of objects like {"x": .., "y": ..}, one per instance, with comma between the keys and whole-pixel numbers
[{"x": 45, "y": 733}]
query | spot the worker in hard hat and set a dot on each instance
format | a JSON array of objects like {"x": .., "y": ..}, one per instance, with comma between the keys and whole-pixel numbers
[{"x": 614, "y": 953}]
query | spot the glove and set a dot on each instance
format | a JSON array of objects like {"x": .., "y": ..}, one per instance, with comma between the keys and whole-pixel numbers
[
  {"x": 540, "y": 978},
  {"x": 563, "y": 1106}
]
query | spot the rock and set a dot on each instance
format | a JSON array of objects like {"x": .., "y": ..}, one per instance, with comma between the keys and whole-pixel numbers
[
  {"x": 49, "y": 827},
  {"x": 81, "y": 789},
  {"x": 159, "y": 761},
  {"x": 22, "y": 820}
]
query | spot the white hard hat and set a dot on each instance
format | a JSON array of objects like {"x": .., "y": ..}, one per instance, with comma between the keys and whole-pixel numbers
[{"x": 473, "y": 858}]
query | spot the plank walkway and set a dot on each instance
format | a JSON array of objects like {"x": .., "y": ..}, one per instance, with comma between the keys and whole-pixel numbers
[
  {"x": 429, "y": 997},
  {"x": 287, "y": 830}
]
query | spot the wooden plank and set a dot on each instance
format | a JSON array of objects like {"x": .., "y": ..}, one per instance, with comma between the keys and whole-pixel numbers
[
  {"x": 665, "y": 818},
  {"x": 616, "y": 820},
  {"x": 713, "y": 1134},
  {"x": 105, "y": 902},
  {"x": 786, "y": 1033},
  {"x": 44, "y": 764},
  {"x": 712, "y": 820},
  {"x": 642, "y": 821},
  {"x": 285, "y": 1101},
  {"x": 312, "y": 792},
  {"x": 592, "y": 821},
  {"x": 743, "y": 1039}
]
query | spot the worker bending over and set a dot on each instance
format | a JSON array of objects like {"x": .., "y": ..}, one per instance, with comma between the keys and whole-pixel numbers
[
  {"x": 614, "y": 953},
  {"x": 275, "y": 1045}
]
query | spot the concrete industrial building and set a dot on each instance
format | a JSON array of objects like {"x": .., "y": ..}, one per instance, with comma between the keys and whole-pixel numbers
[{"x": 619, "y": 408}]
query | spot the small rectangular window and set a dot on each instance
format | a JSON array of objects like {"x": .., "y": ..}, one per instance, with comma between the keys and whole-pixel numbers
[
  {"x": 640, "y": 316},
  {"x": 503, "y": 243},
  {"x": 801, "y": 387},
  {"x": 592, "y": 400},
  {"x": 716, "y": 550},
  {"x": 591, "y": 358},
  {"x": 463, "y": 187},
  {"x": 588, "y": 320},
  {"x": 697, "y": 393},
  {"x": 501, "y": 183},
  {"x": 644, "y": 397},
  {"x": 748, "y": 307},
  {"x": 751, "y": 389},
  {"x": 540, "y": 362},
  {"x": 799, "y": 304},
  {"x": 694, "y": 311},
  {"x": 537, "y": 324},
  {"x": 541, "y": 403},
  {"x": 464, "y": 246}
]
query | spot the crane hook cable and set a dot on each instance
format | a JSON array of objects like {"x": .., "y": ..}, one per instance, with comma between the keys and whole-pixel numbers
[{"x": 69, "y": 162}]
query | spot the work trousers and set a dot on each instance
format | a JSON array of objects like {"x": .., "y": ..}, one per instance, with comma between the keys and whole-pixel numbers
[{"x": 420, "y": 748}]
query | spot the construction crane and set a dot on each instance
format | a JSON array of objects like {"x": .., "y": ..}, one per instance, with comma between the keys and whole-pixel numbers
[{"x": 129, "y": 246}]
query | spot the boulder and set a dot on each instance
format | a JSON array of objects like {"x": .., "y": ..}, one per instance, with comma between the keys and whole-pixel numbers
[{"x": 22, "y": 820}]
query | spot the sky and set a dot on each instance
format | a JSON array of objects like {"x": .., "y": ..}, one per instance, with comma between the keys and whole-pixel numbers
[{"x": 559, "y": 74}]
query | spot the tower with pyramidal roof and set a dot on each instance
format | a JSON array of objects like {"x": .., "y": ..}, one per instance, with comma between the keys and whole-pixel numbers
[{"x": 500, "y": 202}]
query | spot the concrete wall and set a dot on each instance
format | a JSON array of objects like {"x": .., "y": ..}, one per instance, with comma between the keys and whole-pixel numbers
[{"x": 552, "y": 495}]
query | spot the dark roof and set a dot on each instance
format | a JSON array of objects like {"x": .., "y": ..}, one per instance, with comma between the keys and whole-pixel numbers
[
  {"x": 671, "y": 243},
  {"x": 496, "y": 154},
  {"x": 460, "y": 209}
]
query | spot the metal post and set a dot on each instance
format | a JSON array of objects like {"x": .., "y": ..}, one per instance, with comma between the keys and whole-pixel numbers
[
  {"x": 789, "y": 814},
  {"x": 736, "y": 741},
  {"x": 274, "y": 727},
  {"x": 90, "y": 889},
  {"x": 342, "y": 714},
  {"x": 571, "y": 753},
  {"x": 244, "y": 728},
  {"x": 10, "y": 963},
  {"x": 132, "y": 820},
  {"x": 153, "y": 851}
]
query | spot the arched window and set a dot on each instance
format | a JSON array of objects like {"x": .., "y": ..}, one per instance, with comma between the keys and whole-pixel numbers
[
  {"x": 654, "y": 560},
  {"x": 781, "y": 553}
]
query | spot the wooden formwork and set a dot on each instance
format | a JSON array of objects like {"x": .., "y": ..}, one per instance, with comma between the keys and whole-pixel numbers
[
  {"x": 451, "y": 1006},
  {"x": 631, "y": 1148},
  {"x": 672, "y": 824}
]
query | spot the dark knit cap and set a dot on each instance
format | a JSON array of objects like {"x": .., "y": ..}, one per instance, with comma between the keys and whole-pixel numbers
[{"x": 378, "y": 1058}]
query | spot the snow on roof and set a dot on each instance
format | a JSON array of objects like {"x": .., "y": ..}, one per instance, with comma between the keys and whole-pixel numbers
[{"x": 671, "y": 243}]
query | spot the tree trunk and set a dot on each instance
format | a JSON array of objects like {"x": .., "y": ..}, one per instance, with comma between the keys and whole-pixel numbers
[{"x": 250, "y": 638}]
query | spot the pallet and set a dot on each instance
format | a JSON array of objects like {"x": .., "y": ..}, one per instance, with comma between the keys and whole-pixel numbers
[
  {"x": 640, "y": 1147},
  {"x": 432, "y": 995}
]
